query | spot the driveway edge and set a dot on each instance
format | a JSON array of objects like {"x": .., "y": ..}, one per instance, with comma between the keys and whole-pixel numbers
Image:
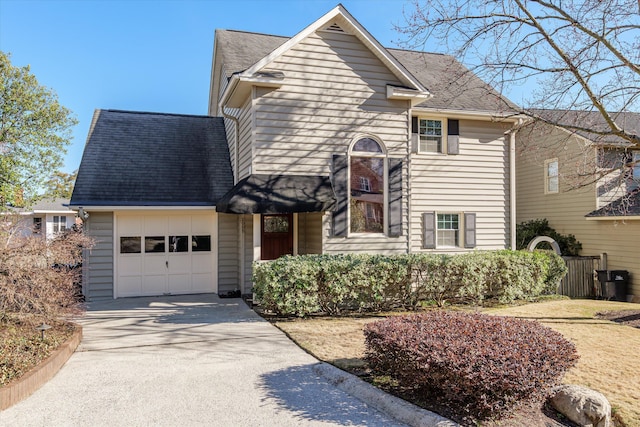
[
  {"x": 39, "y": 375},
  {"x": 395, "y": 407}
]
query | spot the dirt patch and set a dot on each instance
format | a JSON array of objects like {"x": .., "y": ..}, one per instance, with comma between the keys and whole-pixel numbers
[{"x": 625, "y": 317}]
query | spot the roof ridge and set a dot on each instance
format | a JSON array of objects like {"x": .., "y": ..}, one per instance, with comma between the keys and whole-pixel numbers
[{"x": 153, "y": 113}]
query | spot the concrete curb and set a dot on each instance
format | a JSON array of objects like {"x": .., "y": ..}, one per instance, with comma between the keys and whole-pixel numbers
[
  {"x": 395, "y": 407},
  {"x": 39, "y": 375}
]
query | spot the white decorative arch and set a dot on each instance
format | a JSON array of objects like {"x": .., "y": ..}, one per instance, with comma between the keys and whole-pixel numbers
[{"x": 540, "y": 239}]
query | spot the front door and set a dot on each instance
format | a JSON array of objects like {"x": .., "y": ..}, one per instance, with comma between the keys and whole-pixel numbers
[{"x": 277, "y": 236}]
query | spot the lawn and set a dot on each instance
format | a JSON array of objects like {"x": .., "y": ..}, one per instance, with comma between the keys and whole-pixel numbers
[{"x": 609, "y": 361}]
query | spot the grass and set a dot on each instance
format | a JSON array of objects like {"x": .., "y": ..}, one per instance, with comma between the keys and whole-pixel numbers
[{"x": 609, "y": 361}]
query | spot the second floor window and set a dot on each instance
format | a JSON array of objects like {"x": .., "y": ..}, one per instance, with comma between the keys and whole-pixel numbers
[
  {"x": 551, "y": 176},
  {"x": 430, "y": 133}
]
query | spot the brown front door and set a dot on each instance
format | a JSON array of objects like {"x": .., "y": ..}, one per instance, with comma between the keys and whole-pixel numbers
[{"x": 277, "y": 236}]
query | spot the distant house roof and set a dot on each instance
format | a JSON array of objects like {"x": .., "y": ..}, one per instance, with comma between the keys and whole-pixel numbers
[
  {"x": 47, "y": 205},
  {"x": 153, "y": 159},
  {"x": 629, "y": 121},
  {"x": 452, "y": 85},
  {"x": 626, "y": 206},
  {"x": 271, "y": 194}
]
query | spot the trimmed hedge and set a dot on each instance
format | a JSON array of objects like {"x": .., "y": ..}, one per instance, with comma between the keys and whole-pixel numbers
[
  {"x": 302, "y": 285},
  {"x": 484, "y": 365}
]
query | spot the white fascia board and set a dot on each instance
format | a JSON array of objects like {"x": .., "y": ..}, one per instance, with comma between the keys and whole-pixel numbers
[
  {"x": 90, "y": 208},
  {"x": 240, "y": 87},
  {"x": 405, "y": 94},
  {"x": 359, "y": 31},
  {"x": 614, "y": 218},
  {"x": 468, "y": 114}
]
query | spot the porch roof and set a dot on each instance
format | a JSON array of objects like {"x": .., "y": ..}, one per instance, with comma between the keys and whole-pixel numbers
[{"x": 272, "y": 194}]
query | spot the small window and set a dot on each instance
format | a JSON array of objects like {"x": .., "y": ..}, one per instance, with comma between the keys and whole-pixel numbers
[
  {"x": 275, "y": 223},
  {"x": 154, "y": 244},
  {"x": 430, "y": 134},
  {"x": 551, "y": 176},
  {"x": 201, "y": 243},
  {"x": 37, "y": 225},
  {"x": 178, "y": 243},
  {"x": 365, "y": 185},
  {"x": 130, "y": 245},
  {"x": 448, "y": 230},
  {"x": 59, "y": 224}
]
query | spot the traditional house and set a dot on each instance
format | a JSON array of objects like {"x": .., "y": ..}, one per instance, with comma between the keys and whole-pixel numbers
[
  {"x": 584, "y": 185},
  {"x": 45, "y": 218},
  {"x": 325, "y": 142}
]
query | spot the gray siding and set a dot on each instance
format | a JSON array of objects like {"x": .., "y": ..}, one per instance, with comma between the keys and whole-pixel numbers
[
  {"x": 98, "y": 271},
  {"x": 228, "y": 247},
  {"x": 475, "y": 181},
  {"x": 245, "y": 135},
  {"x": 248, "y": 253},
  {"x": 566, "y": 209},
  {"x": 334, "y": 91},
  {"x": 309, "y": 233}
]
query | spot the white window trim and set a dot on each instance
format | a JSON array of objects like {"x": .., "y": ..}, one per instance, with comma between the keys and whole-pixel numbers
[
  {"x": 385, "y": 177},
  {"x": 443, "y": 144},
  {"x": 461, "y": 229},
  {"x": 546, "y": 176}
]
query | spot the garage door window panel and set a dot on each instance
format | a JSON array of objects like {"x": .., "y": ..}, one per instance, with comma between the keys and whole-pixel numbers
[
  {"x": 201, "y": 243},
  {"x": 130, "y": 245},
  {"x": 178, "y": 244},
  {"x": 154, "y": 244}
]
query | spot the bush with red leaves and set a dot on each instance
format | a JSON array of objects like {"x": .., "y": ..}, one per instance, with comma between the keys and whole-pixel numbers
[{"x": 481, "y": 365}]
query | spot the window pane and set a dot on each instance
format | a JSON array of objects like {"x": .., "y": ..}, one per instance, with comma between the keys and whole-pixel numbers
[
  {"x": 276, "y": 224},
  {"x": 553, "y": 184},
  {"x": 153, "y": 244},
  {"x": 200, "y": 243},
  {"x": 178, "y": 243},
  {"x": 367, "y": 145},
  {"x": 367, "y": 195},
  {"x": 130, "y": 245},
  {"x": 430, "y": 135},
  {"x": 448, "y": 230}
]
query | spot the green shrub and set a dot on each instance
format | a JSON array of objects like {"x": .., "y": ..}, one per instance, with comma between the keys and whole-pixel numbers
[
  {"x": 484, "y": 365},
  {"x": 302, "y": 285},
  {"x": 528, "y": 230}
]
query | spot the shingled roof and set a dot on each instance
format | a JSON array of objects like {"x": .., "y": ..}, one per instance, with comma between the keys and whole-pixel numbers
[
  {"x": 453, "y": 86},
  {"x": 626, "y": 206},
  {"x": 153, "y": 159},
  {"x": 629, "y": 121}
]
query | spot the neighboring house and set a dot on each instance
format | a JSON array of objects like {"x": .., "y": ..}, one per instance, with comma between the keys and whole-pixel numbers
[
  {"x": 562, "y": 176},
  {"x": 325, "y": 142},
  {"x": 46, "y": 218}
]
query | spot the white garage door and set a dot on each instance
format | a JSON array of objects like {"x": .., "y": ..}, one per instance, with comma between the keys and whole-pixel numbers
[{"x": 165, "y": 254}]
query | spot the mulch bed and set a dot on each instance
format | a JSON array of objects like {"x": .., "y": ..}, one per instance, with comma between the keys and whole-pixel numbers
[{"x": 625, "y": 317}]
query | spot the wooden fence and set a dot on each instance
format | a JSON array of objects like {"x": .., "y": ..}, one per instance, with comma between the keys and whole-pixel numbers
[{"x": 579, "y": 281}]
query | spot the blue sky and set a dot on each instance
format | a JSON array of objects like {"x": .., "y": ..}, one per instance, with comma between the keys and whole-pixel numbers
[{"x": 151, "y": 55}]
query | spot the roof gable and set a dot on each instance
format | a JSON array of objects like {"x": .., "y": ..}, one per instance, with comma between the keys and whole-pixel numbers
[
  {"x": 153, "y": 159},
  {"x": 336, "y": 20}
]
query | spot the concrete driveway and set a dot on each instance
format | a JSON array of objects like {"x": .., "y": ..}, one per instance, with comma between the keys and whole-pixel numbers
[{"x": 188, "y": 361}]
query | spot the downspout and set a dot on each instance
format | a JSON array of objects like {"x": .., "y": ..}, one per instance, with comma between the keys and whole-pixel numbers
[
  {"x": 512, "y": 184},
  {"x": 409, "y": 194},
  {"x": 236, "y": 138}
]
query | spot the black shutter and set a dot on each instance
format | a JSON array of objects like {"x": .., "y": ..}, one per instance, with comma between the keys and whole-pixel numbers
[
  {"x": 395, "y": 197},
  {"x": 453, "y": 137},
  {"x": 414, "y": 125},
  {"x": 340, "y": 188},
  {"x": 429, "y": 230},
  {"x": 469, "y": 230}
]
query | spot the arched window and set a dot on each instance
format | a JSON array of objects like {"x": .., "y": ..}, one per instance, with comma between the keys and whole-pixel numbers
[{"x": 367, "y": 183}]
